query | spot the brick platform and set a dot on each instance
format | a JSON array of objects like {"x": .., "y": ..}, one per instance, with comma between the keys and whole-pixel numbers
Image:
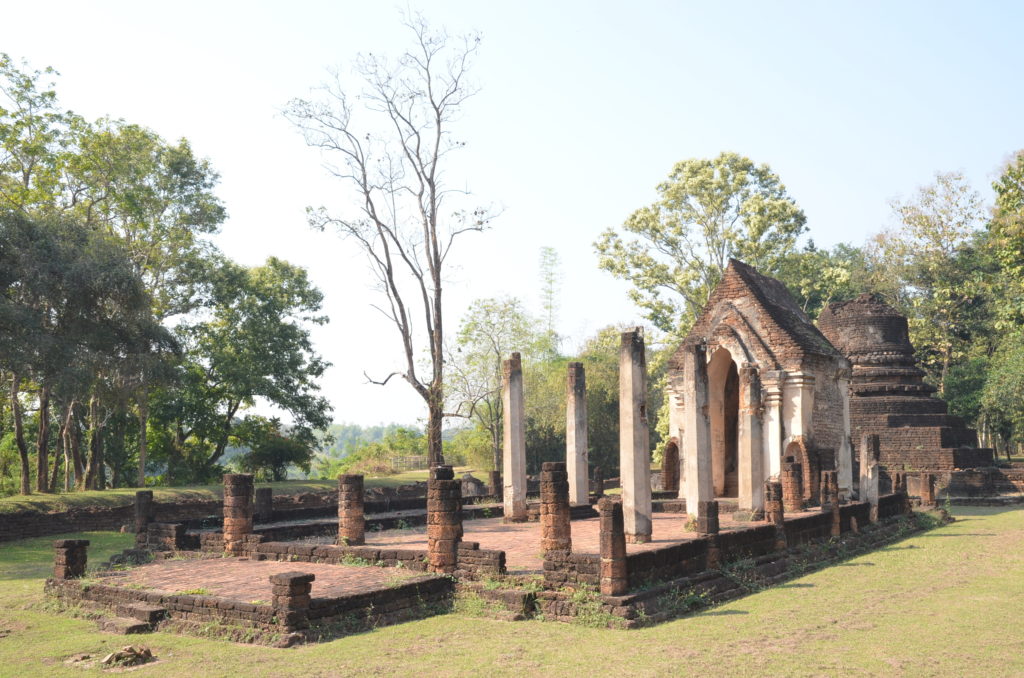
[
  {"x": 248, "y": 580},
  {"x": 521, "y": 542}
]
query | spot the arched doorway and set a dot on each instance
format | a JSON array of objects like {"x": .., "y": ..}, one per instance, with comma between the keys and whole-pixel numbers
[{"x": 723, "y": 411}]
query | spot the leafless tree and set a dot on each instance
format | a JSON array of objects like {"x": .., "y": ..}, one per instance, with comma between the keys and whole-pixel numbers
[{"x": 405, "y": 218}]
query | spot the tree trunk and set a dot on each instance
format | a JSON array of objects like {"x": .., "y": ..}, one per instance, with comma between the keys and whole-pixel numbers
[
  {"x": 74, "y": 442},
  {"x": 435, "y": 417},
  {"x": 57, "y": 454},
  {"x": 43, "y": 441},
  {"x": 19, "y": 434},
  {"x": 143, "y": 438},
  {"x": 94, "y": 471}
]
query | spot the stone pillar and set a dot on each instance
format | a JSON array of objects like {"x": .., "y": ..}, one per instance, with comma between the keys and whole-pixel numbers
[
  {"x": 774, "y": 511},
  {"x": 792, "y": 484},
  {"x": 750, "y": 439},
  {"x": 598, "y": 481},
  {"x": 707, "y": 517},
  {"x": 145, "y": 513},
  {"x": 514, "y": 458},
  {"x": 696, "y": 447},
  {"x": 670, "y": 467},
  {"x": 70, "y": 557},
  {"x": 238, "y": 513},
  {"x": 554, "y": 508},
  {"x": 634, "y": 438},
  {"x": 844, "y": 455},
  {"x": 773, "y": 422},
  {"x": 830, "y": 499},
  {"x": 614, "y": 572},
  {"x": 928, "y": 489},
  {"x": 444, "y": 519},
  {"x": 291, "y": 592},
  {"x": 869, "y": 454},
  {"x": 576, "y": 454},
  {"x": 494, "y": 483},
  {"x": 264, "y": 504},
  {"x": 351, "y": 519}
]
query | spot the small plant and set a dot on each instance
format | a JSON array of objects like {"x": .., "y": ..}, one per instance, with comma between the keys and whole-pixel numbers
[
  {"x": 590, "y": 610},
  {"x": 349, "y": 559},
  {"x": 194, "y": 592}
]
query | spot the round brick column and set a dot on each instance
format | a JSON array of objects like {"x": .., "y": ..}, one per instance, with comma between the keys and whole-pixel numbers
[
  {"x": 555, "y": 529},
  {"x": 444, "y": 519},
  {"x": 351, "y": 519},
  {"x": 792, "y": 487},
  {"x": 238, "y": 510}
]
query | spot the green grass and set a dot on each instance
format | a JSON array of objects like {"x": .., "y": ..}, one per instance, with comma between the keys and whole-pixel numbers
[
  {"x": 47, "y": 503},
  {"x": 943, "y": 603}
]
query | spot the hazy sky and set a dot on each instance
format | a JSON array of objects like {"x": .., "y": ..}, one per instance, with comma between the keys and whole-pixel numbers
[{"x": 584, "y": 107}]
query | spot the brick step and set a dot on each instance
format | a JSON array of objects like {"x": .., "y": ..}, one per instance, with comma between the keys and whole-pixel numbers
[
  {"x": 123, "y": 627},
  {"x": 515, "y": 601},
  {"x": 151, "y": 614},
  {"x": 583, "y": 511}
]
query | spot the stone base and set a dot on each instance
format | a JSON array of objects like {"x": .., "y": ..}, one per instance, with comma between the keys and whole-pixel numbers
[{"x": 638, "y": 538}]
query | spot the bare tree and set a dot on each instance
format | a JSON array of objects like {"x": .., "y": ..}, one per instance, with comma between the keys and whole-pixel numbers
[{"x": 394, "y": 162}]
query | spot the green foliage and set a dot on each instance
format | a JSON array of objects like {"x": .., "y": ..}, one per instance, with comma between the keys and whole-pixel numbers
[
  {"x": 817, "y": 277},
  {"x": 1002, "y": 400},
  {"x": 471, "y": 447},
  {"x": 274, "y": 453},
  {"x": 377, "y": 458},
  {"x": 710, "y": 210}
]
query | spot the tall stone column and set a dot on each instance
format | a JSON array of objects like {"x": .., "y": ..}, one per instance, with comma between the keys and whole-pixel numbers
[
  {"x": 351, "y": 516},
  {"x": 773, "y": 422},
  {"x": 751, "y": 452},
  {"x": 869, "y": 454},
  {"x": 614, "y": 570},
  {"x": 238, "y": 510},
  {"x": 598, "y": 481},
  {"x": 844, "y": 455},
  {"x": 494, "y": 483},
  {"x": 576, "y": 455},
  {"x": 514, "y": 457},
  {"x": 696, "y": 430},
  {"x": 444, "y": 519},
  {"x": 634, "y": 438},
  {"x": 554, "y": 508}
]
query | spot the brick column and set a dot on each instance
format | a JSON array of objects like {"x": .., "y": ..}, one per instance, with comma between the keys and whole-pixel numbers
[
  {"x": 444, "y": 519},
  {"x": 830, "y": 499},
  {"x": 670, "y": 468},
  {"x": 264, "y": 504},
  {"x": 69, "y": 558},
  {"x": 554, "y": 507},
  {"x": 351, "y": 520},
  {"x": 291, "y": 598},
  {"x": 792, "y": 481},
  {"x": 494, "y": 483},
  {"x": 614, "y": 572},
  {"x": 707, "y": 517},
  {"x": 238, "y": 491},
  {"x": 145, "y": 512},
  {"x": 774, "y": 511},
  {"x": 598, "y": 481}
]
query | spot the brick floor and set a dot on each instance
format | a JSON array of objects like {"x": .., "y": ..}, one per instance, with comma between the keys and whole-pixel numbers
[{"x": 248, "y": 580}]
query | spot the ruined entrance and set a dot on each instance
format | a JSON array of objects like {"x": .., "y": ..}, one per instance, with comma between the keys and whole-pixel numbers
[{"x": 723, "y": 410}]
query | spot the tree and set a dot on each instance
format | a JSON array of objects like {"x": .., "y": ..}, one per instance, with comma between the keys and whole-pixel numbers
[
  {"x": 489, "y": 332},
  {"x": 710, "y": 210},
  {"x": 939, "y": 271},
  {"x": 395, "y": 167},
  {"x": 550, "y": 282},
  {"x": 273, "y": 452},
  {"x": 252, "y": 341},
  {"x": 1007, "y": 242},
  {"x": 817, "y": 277}
]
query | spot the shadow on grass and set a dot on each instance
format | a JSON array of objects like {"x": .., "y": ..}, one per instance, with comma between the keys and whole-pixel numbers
[
  {"x": 962, "y": 534},
  {"x": 794, "y": 585},
  {"x": 855, "y": 564},
  {"x": 721, "y": 613}
]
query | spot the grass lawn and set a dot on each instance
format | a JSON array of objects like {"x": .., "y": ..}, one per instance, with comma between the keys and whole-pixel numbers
[
  {"x": 124, "y": 497},
  {"x": 944, "y": 603}
]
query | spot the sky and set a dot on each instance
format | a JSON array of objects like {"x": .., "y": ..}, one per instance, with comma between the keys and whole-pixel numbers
[{"x": 583, "y": 109}]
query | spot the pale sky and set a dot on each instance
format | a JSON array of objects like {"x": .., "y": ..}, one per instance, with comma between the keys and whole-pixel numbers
[{"x": 584, "y": 107}]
